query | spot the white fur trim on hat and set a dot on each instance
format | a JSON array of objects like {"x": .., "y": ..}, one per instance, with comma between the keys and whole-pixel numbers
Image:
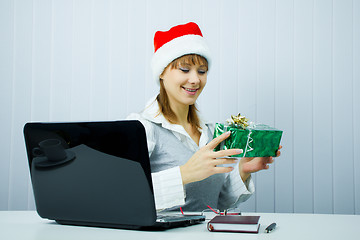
[{"x": 187, "y": 44}]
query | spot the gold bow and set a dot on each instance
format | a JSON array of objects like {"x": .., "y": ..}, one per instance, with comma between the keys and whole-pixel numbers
[{"x": 240, "y": 120}]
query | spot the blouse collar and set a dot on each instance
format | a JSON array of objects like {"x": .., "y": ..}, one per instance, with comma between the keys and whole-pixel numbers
[{"x": 152, "y": 114}]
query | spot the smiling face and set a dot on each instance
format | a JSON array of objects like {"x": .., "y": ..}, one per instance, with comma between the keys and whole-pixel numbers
[{"x": 185, "y": 79}]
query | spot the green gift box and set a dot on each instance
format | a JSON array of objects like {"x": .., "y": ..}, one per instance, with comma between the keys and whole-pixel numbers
[{"x": 256, "y": 140}]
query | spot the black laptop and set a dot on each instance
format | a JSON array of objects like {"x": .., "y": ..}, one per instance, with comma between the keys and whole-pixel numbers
[{"x": 95, "y": 174}]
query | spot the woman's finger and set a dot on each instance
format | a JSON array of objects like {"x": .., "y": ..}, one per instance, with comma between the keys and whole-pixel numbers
[
  {"x": 278, "y": 153},
  {"x": 216, "y": 141},
  {"x": 221, "y": 161},
  {"x": 222, "y": 169},
  {"x": 225, "y": 153}
]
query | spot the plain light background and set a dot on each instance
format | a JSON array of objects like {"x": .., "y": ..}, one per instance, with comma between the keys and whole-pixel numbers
[{"x": 292, "y": 64}]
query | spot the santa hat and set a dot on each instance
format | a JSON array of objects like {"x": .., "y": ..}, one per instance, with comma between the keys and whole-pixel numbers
[{"x": 178, "y": 41}]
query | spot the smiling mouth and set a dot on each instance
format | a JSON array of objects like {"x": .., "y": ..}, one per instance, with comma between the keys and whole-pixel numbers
[{"x": 190, "y": 89}]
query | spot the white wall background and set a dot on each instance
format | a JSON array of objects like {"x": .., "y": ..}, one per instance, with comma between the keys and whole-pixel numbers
[{"x": 293, "y": 64}]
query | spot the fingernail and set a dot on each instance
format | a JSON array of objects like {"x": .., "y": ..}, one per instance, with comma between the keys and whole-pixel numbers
[
  {"x": 228, "y": 133},
  {"x": 239, "y": 151}
]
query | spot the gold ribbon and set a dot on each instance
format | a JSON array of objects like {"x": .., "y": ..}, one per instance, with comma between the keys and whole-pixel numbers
[{"x": 241, "y": 121}]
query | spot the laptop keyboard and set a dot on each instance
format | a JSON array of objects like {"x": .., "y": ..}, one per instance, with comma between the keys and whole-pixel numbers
[{"x": 171, "y": 217}]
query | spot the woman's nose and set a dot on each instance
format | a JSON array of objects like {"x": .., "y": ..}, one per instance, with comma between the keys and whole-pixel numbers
[{"x": 194, "y": 77}]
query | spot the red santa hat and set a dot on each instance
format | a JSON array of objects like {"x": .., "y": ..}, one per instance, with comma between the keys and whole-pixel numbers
[{"x": 178, "y": 41}]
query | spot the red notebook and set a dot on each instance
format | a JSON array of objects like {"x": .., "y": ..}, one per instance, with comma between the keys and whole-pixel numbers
[{"x": 234, "y": 223}]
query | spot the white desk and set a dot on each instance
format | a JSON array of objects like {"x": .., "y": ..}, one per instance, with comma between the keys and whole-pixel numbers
[{"x": 28, "y": 225}]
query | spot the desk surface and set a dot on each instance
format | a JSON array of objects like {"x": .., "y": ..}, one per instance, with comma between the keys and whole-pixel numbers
[{"x": 28, "y": 225}]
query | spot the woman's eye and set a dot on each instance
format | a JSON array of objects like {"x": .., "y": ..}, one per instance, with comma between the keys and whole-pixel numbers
[
  {"x": 201, "y": 72},
  {"x": 185, "y": 70}
]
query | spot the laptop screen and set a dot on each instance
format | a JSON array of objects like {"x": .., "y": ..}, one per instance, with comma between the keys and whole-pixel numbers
[{"x": 104, "y": 176}]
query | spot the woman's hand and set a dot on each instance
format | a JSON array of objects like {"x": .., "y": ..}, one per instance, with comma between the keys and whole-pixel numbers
[
  {"x": 204, "y": 162},
  {"x": 255, "y": 164}
]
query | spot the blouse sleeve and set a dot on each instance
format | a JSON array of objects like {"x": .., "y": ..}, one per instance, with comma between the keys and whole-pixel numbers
[{"x": 167, "y": 184}]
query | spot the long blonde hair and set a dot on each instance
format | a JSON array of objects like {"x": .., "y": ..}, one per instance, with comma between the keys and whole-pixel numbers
[{"x": 163, "y": 99}]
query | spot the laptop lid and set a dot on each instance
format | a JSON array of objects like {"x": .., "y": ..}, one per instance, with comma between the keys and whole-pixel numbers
[{"x": 91, "y": 173}]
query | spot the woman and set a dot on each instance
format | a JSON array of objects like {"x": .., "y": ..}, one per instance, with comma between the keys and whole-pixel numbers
[{"x": 185, "y": 170}]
